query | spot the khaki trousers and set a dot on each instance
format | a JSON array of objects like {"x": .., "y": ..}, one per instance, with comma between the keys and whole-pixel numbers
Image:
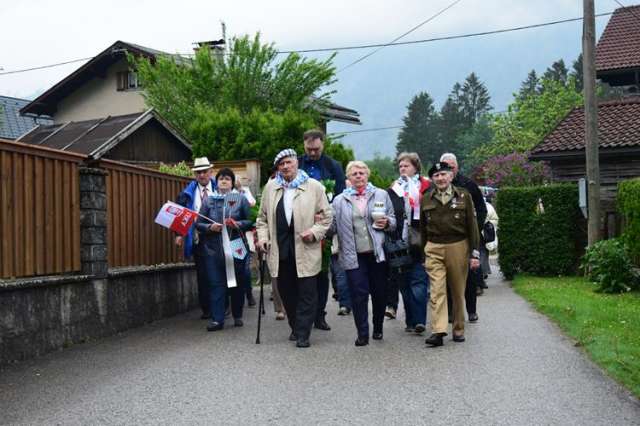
[{"x": 447, "y": 265}]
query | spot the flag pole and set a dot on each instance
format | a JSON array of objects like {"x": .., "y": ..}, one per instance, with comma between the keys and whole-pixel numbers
[{"x": 261, "y": 301}]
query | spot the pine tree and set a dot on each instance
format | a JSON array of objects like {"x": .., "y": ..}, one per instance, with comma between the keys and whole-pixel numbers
[
  {"x": 530, "y": 86},
  {"x": 577, "y": 73},
  {"x": 557, "y": 71},
  {"x": 420, "y": 132},
  {"x": 474, "y": 98}
]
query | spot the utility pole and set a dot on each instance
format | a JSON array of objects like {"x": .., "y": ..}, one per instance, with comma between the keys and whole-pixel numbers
[{"x": 591, "y": 121}]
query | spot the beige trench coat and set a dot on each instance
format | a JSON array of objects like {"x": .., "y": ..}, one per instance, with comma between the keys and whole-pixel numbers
[{"x": 310, "y": 199}]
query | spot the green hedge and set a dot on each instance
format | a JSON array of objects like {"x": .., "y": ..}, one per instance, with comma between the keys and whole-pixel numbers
[
  {"x": 540, "y": 243},
  {"x": 629, "y": 205}
]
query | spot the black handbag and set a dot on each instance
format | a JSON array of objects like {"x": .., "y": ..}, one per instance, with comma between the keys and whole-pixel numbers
[
  {"x": 397, "y": 253},
  {"x": 488, "y": 232}
]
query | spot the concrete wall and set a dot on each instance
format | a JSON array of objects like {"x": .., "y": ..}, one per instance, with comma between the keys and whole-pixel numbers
[
  {"x": 99, "y": 98},
  {"x": 40, "y": 315}
]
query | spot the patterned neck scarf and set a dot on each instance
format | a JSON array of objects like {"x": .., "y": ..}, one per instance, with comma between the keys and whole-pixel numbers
[
  {"x": 301, "y": 178},
  {"x": 411, "y": 187},
  {"x": 369, "y": 189}
]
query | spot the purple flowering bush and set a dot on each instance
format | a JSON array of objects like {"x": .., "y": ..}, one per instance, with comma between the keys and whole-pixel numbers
[{"x": 513, "y": 169}]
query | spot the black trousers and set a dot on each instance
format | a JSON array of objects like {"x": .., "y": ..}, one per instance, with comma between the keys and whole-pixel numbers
[
  {"x": 369, "y": 278},
  {"x": 323, "y": 294},
  {"x": 203, "y": 283},
  {"x": 470, "y": 296},
  {"x": 392, "y": 291},
  {"x": 299, "y": 297}
]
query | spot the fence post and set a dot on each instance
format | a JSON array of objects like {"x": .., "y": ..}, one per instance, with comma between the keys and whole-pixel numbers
[{"x": 93, "y": 221}]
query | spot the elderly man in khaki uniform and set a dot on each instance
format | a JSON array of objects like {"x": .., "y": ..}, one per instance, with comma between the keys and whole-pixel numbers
[{"x": 448, "y": 224}]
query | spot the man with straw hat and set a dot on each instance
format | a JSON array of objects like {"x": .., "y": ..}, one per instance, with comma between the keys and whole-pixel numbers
[{"x": 192, "y": 197}]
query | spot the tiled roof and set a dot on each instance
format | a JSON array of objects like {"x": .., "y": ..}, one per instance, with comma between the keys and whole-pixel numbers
[
  {"x": 618, "y": 127},
  {"x": 92, "y": 137},
  {"x": 619, "y": 45},
  {"x": 12, "y": 124}
]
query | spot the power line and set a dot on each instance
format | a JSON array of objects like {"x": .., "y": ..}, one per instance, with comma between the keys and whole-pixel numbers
[
  {"x": 376, "y": 129},
  {"x": 401, "y": 36},
  {"x": 364, "y": 46},
  {"x": 452, "y": 37},
  {"x": 629, "y": 10},
  {"x": 46, "y": 66}
]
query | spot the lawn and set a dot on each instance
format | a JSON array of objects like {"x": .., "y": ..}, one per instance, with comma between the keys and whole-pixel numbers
[{"x": 607, "y": 326}]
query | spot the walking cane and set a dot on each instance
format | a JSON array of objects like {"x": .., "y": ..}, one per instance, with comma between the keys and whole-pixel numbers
[{"x": 261, "y": 310}]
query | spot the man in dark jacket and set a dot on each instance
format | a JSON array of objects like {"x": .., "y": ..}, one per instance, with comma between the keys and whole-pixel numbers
[
  {"x": 321, "y": 167},
  {"x": 474, "y": 278},
  {"x": 192, "y": 197}
]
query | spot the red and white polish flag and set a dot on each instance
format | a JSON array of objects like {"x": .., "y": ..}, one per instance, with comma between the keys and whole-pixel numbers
[{"x": 176, "y": 217}]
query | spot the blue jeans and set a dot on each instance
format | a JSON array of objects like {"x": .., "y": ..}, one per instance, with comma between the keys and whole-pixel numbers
[
  {"x": 340, "y": 277},
  {"x": 218, "y": 287},
  {"x": 415, "y": 294}
]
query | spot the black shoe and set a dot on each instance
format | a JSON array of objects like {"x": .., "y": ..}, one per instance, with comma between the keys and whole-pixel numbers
[
  {"x": 335, "y": 296},
  {"x": 237, "y": 322},
  {"x": 303, "y": 343},
  {"x": 376, "y": 336},
  {"x": 321, "y": 324},
  {"x": 205, "y": 315},
  {"x": 435, "y": 339},
  {"x": 214, "y": 326},
  {"x": 362, "y": 341},
  {"x": 459, "y": 338},
  {"x": 473, "y": 317},
  {"x": 293, "y": 337},
  {"x": 419, "y": 328},
  {"x": 251, "y": 301}
]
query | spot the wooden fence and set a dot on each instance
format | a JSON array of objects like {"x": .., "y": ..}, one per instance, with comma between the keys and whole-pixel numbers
[
  {"x": 39, "y": 211},
  {"x": 134, "y": 196}
]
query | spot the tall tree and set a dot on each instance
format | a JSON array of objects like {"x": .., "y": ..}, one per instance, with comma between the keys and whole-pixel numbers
[
  {"x": 246, "y": 104},
  {"x": 576, "y": 72},
  {"x": 474, "y": 99},
  {"x": 420, "y": 131},
  {"x": 451, "y": 121},
  {"x": 557, "y": 71},
  {"x": 530, "y": 86},
  {"x": 248, "y": 78}
]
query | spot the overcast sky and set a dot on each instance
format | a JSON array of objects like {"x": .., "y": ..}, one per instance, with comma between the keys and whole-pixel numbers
[{"x": 41, "y": 32}]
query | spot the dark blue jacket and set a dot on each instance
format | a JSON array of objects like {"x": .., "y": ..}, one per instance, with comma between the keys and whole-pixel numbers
[
  {"x": 237, "y": 209},
  {"x": 186, "y": 199},
  {"x": 329, "y": 169}
]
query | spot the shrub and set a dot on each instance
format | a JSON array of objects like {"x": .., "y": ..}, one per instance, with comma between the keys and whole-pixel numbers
[
  {"x": 607, "y": 263},
  {"x": 512, "y": 170},
  {"x": 538, "y": 229},
  {"x": 180, "y": 169},
  {"x": 231, "y": 135},
  {"x": 629, "y": 205}
]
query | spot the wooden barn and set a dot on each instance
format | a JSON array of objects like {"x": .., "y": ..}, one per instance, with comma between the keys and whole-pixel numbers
[
  {"x": 140, "y": 138},
  {"x": 618, "y": 65}
]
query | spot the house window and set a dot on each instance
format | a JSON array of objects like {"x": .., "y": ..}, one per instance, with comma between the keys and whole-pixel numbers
[{"x": 128, "y": 80}]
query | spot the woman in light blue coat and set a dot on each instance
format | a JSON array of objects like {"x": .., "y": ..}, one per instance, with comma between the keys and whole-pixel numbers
[{"x": 363, "y": 215}]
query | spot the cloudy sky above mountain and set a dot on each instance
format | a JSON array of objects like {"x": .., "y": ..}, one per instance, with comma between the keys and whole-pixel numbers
[{"x": 43, "y": 32}]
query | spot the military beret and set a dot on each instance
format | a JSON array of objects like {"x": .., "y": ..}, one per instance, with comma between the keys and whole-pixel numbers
[{"x": 439, "y": 167}]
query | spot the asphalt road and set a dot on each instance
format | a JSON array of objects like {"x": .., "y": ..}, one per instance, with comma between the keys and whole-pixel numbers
[{"x": 515, "y": 368}]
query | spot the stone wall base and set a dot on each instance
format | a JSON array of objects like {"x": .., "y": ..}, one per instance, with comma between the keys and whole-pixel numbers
[{"x": 44, "y": 314}]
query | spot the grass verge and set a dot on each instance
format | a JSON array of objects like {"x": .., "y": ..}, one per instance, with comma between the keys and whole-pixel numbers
[{"x": 607, "y": 326}]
